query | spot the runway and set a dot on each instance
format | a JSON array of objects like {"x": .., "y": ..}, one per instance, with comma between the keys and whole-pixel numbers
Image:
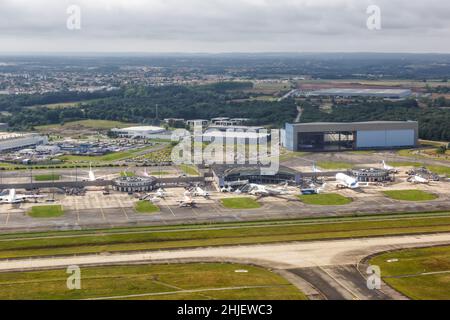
[{"x": 334, "y": 263}]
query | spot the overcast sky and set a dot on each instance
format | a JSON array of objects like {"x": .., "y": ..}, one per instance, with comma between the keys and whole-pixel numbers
[{"x": 225, "y": 26}]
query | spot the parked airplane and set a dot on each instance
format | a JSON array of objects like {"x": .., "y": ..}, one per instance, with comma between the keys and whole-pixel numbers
[
  {"x": 315, "y": 169},
  {"x": 199, "y": 192},
  {"x": 388, "y": 167},
  {"x": 264, "y": 191},
  {"x": 161, "y": 193},
  {"x": 418, "y": 180},
  {"x": 155, "y": 199},
  {"x": 91, "y": 176},
  {"x": 12, "y": 197},
  {"x": 313, "y": 190},
  {"x": 345, "y": 181},
  {"x": 145, "y": 173},
  {"x": 158, "y": 195},
  {"x": 187, "y": 202},
  {"x": 226, "y": 189}
]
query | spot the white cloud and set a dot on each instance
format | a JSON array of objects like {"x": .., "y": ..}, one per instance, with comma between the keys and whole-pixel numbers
[{"x": 225, "y": 25}]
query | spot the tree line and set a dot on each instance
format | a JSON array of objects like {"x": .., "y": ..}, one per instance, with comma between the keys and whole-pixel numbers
[{"x": 434, "y": 123}]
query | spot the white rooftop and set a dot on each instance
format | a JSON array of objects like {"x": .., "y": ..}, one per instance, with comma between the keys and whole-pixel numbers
[{"x": 142, "y": 128}]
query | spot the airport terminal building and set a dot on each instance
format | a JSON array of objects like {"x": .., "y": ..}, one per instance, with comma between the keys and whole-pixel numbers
[
  {"x": 330, "y": 136},
  {"x": 233, "y": 175}
]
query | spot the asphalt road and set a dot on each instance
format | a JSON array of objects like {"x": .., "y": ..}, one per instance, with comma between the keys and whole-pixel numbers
[{"x": 330, "y": 267}]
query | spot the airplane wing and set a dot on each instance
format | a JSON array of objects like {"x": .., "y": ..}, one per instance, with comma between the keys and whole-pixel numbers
[{"x": 23, "y": 196}]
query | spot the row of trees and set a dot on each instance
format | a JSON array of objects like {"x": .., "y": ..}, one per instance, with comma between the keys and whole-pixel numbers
[
  {"x": 14, "y": 103},
  {"x": 145, "y": 104},
  {"x": 434, "y": 123}
]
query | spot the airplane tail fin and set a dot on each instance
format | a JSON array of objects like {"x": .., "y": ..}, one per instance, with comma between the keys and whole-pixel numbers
[{"x": 12, "y": 194}]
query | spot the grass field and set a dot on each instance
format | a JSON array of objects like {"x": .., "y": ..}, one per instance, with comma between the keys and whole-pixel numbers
[
  {"x": 410, "y": 195},
  {"x": 127, "y": 174},
  {"x": 146, "y": 207},
  {"x": 422, "y": 274},
  {"x": 89, "y": 124},
  {"x": 240, "y": 203},
  {"x": 441, "y": 170},
  {"x": 159, "y": 173},
  {"x": 405, "y": 164},
  {"x": 47, "y": 177},
  {"x": 155, "y": 238},
  {"x": 178, "y": 281},
  {"x": 189, "y": 170},
  {"x": 425, "y": 154},
  {"x": 46, "y": 211},
  {"x": 329, "y": 165},
  {"x": 64, "y": 104},
  {"x": 288, "y": 155},
  {"x": 10, "y": 166},
  {"x": 330, "y": 199}
]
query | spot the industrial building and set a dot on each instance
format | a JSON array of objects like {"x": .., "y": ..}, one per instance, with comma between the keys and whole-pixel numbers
[
  {"x": 368, "y": 93},
  {"x": 236, "y": 128},
  {"x": 17, "y": 141},
  {"x": 372, "y": 175},
  {"x": 228, "y": 122},
  {"x": 139, "y": 132},
  {"x": 199, "y": 122},
  {"x": 235, "y": 137},
  {"x": 331, "y": 136},
  {"x": 233, "y": 175}
]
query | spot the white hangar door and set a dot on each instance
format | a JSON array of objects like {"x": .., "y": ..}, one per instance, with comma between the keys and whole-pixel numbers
[{"x": 385, "y": 138}]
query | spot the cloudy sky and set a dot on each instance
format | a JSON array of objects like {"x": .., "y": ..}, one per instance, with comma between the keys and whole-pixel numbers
[{"x": 224, "y": 26}]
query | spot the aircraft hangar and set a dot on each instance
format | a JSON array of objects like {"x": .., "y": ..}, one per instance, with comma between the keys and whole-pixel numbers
[{"x": 334, "y": 136}]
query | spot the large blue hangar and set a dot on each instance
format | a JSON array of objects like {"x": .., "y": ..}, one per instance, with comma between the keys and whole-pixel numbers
[{"x": 331, "y": 136}]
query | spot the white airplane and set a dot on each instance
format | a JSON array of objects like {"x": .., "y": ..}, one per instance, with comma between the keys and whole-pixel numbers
[
  {"x": 155, "y": 199},
  {"x": 418, "y": 180},
  {"x": 388, "y": 167},
  {"x": 313, "y": 190},
  {"x": 187, "y": 202},
  {"x": 199, "y": 192},
  {"x": 260, "y": 190},
  {"x": 160, "y": 193},
  {"x": 91, "y": 175},
  {"x": 346, "y": 181},
  {"x": 145, "y": 173},
  {"x": 12, "y": 197},
  {"x": 226, "y": 189}
]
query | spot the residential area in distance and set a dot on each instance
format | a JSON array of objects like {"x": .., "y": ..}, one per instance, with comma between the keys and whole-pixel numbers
[{"x": 285, "y": 171}]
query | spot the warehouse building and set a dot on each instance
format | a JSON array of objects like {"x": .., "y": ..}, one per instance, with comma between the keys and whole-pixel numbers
[
  {"x": 322, "y": 136},
  {"x": 17, "y": 141},
  {"x": 367, "y": 93},
  {"x": 144, "y": 132}
]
